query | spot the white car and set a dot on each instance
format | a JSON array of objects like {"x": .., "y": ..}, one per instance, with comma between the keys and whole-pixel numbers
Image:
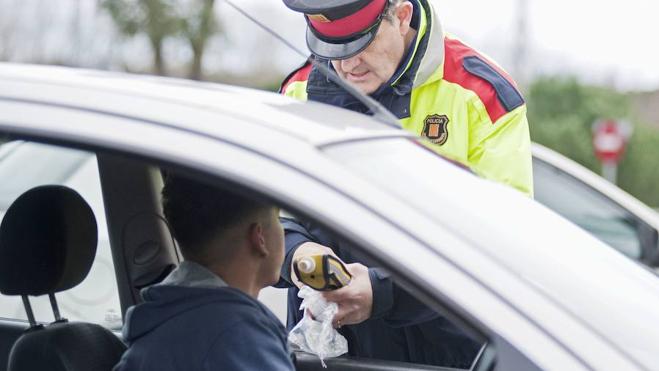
[{"x": 539, "y": 291}]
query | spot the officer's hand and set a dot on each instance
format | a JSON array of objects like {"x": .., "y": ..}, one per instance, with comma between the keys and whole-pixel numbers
[
  {"x": 304, "y": 250},
  {"x": 355, "y": 300}
]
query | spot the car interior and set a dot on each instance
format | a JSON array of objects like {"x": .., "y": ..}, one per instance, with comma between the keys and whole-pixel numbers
[
  {"x": 62, "y": 249},
  {"x": 51, "y": 253}
]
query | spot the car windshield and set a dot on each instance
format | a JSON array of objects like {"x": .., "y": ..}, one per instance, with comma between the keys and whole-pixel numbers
[{"x": 595, "y": 282}]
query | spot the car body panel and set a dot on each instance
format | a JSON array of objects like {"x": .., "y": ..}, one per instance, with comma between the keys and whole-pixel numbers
[{"x": 501, "y": 262}]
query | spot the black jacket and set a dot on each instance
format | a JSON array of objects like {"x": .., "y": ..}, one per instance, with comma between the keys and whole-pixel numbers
[{"x": 400, "y": 328}]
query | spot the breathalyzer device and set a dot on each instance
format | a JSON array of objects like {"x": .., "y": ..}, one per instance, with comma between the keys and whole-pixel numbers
[{"x": 322, "y": 272}]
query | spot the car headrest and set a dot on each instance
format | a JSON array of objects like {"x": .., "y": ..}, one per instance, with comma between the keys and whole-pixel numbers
[{"x": 48, "y": 241}]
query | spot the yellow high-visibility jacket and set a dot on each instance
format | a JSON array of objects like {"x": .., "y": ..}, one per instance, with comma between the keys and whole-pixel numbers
[{"x": 450, "y": 94}]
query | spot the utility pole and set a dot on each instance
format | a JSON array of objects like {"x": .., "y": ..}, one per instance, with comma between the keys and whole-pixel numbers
[
  {"x": 520, "y": 48},
  {"x": 76, "y": 30}
]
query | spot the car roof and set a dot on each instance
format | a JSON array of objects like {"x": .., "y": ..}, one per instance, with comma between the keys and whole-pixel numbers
[{"x": 314, "y": 123}]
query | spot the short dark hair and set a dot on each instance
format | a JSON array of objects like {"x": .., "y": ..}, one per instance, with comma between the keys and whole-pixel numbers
[{"x": 197, "y": 212}]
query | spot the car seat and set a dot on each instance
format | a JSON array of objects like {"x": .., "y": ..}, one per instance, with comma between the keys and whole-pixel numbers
[{"x": 48, "y": 241}]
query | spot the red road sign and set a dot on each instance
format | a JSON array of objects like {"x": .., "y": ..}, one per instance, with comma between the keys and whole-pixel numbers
[{"x": 609, "y": 140}]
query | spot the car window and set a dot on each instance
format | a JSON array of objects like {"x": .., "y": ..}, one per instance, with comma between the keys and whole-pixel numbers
[
  {"x": 275, "y": 300},
  {"x": 587, "y": 208},
  {"x": 24, "y": 165}
]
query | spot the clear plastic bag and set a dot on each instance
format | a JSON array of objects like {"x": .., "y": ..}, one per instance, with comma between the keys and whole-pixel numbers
[{"x": 315, "y": 334}]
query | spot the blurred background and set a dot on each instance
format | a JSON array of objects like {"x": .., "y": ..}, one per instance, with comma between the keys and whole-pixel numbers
[{"x": 576, "y": 61}]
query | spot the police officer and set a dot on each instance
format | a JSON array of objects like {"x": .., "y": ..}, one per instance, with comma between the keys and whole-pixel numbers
[{"x": 438, "y": 87}]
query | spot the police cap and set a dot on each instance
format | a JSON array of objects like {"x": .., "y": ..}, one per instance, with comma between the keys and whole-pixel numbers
[{"x": 339, "y": 29}]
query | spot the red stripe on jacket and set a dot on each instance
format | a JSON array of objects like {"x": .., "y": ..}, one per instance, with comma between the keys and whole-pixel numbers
[
  {"x": 301, "y": 74},
  {"x": 454, "y": 54}
]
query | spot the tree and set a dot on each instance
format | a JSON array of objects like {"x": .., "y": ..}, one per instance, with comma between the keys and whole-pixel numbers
[
  {"x": 193, "y": 21},
  {"x": 562, "y": 111},
  {"x": 197, "y": 28},
  {"x": 156, "y": 19}
]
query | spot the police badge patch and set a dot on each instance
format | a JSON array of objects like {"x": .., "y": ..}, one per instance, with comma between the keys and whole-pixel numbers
[{"x": 435, "y": 128}]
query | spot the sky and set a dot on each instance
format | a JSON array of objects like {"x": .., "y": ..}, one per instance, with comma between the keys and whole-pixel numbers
[{"x": 606, "y": 42}]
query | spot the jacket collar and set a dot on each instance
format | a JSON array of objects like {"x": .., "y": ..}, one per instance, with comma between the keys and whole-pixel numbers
[
  {"x": 421, "y": 62},
  {"x": 191, "y": 274},
  {"x": 431, "y": 57}
]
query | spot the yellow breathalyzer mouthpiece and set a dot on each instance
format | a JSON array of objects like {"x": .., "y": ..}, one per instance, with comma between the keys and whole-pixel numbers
[{"x": 322, "y": 272}]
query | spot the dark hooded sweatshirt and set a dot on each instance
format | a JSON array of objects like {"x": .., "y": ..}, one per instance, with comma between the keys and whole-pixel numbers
[{"x": 193, "y": 325}]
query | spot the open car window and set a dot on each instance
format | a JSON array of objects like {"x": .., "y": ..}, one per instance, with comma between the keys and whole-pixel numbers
[{"x": 25, "y": 165}]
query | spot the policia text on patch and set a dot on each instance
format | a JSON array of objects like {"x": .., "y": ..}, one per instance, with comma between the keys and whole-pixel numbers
[{"x": 435, "y": 129}]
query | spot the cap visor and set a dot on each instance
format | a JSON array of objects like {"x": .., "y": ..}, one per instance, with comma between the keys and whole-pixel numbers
[{"x": 329, "y": 50}]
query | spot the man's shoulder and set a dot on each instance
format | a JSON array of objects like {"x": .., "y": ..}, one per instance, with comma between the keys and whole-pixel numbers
[
  {"x": 235, "y": 306},
  {"x": 472, "y": 70},
  {"x": 196, "y": 305},
  {"x": 211, "y": 318},
  {"x": 299, "y": 74}
]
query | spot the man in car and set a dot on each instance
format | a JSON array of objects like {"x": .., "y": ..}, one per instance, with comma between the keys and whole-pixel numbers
[
  {"x": 396, "y": 52},
  {"x": 205, "y": 314}
]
